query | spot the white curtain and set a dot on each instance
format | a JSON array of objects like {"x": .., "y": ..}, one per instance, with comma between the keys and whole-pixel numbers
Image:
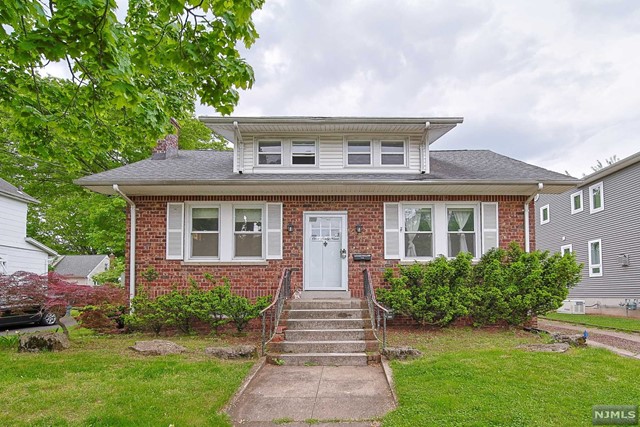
[
  {"x": 412, "y": 223},
  {"x": 462, "y": 216}
]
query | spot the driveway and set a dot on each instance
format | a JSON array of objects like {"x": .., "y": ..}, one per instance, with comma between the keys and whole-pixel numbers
[{"x": 25, "y": 329}]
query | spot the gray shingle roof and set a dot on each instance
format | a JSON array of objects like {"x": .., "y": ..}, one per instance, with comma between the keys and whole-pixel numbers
[
  {"x": 14, "y": 192},
  {"x": 78, "y": 265},
  {"x": 190, "y": 167}
]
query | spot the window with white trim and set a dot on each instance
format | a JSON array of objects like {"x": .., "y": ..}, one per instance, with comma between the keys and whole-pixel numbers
[
  {"x": 270, "y": 153},
  {"x": 566, "y": 249},
  {"x": 596, "y": 198},
  {"x": 247, "y": 232},
  {"x": 595, "y": 258},
  {"x": 3, "y": 266},
  {"x": 576, "y": 202},
  {"x": 544, "y": 214},
  {"x": 204, "y": 232},
  {"x": 359, "y": 153},
  {"x": 303, "y": 152},
  {"x": 392, "y": 153},
  {"x": 418, "y": 232},
  {"x": 461, "y": 230},
  {"x": 224, "y": 231}
]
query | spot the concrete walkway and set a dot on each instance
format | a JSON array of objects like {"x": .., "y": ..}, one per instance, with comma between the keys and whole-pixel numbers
[{"x": 310, "y": 394}]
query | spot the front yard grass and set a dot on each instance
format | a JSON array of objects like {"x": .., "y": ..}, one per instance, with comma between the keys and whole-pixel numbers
[
  {"x": 478, "y": 378},
  {"x": 626, "y": 324},
  {"x": 100, "y": 382}
]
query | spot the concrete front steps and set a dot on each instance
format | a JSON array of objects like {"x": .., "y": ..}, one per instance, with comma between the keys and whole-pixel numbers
[{"x": 335, "y": 332}]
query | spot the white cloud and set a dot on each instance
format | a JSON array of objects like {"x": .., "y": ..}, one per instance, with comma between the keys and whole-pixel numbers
[{"x": 550, "y": 82}]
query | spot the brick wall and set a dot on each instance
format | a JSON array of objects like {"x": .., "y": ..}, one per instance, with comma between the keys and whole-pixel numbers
[{"x": 252, "y": 281}]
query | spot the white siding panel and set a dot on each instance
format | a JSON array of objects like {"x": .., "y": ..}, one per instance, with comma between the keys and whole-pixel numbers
[
  {"x": 248, "y": 155},
  {"x": 13, "y": 223},
  {"x": 22, "y": 259},
  {"x": 331, "y": 153},
  {"x": 414, "y": 152}
]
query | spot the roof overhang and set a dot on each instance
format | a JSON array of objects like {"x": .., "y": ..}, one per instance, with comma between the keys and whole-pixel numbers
[
  {"x": 613, "y": 168},
  {"x": 226, "y": 126},
  {"x": 336, "y": 187},
  {"x": 41, "y": 246}
]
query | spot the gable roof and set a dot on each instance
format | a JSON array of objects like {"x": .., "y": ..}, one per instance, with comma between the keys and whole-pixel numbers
[
  {"x": 207, "y": 168},
  {"x": 78, "y": 265},
  {"x": 14, "y": 192}
]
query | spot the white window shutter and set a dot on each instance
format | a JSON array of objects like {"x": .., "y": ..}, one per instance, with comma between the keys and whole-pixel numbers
[
  {"x": 274, "y": 230},
  {"x": 175, "y": 230},
  {"x": 490, "y": 236},
  {"x": 391, "y": 231}
]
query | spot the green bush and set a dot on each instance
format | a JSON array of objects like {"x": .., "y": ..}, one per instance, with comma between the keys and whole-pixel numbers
[
  {"x": 241, "y": 310},
  {"x": 147, "y": 315},
  {"x": 509, "y": 286}
]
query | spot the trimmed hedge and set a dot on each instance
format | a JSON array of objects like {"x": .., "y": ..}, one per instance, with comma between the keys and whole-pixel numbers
[{"x": 505, "y": 286}]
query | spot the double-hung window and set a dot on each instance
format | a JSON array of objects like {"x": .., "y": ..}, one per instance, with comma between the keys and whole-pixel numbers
[
  {"x": 461, "y": 230},
  {"x": 596, "y": 198},
  {"x": 391, "y": 153},
  {"x": 359, "y": 153},
  {"x": 204, "y": 232},
  {"x": 303, "y": 152},
  {"x": 269, "y": 152},
  {"x": 595, "y": 258},
  {"x": 247, "y": 232},
  {"x": 544, "y": 214},
  {"x": 418, "y": 232}
]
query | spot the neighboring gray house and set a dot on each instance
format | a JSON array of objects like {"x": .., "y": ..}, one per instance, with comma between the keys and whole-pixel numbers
[
  {"x": 599, "y": 221},
  {"x": 17, "y": 251},
  {"x": 81, "y": 268}
]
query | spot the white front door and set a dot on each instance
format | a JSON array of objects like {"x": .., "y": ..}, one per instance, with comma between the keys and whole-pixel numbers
[{"x": 325, "y": 251}]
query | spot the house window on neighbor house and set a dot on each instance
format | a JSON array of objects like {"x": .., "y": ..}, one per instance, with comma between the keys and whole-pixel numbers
[
  {"x": 269, "y": 153},
  {"x": 566, "y": 249},
  {"x": 359, "y": 153},
  {"x": 248, "y": 233},
  {"x": 544, "y": 214},
  {"x": 595, "y": 258},
  {"x": 205, "y": 232},
  {"x": 303, "y": 152},
  {"x": 392, "y": 153},
  {"x": 596, "y": 198},
  {"x": 3, "y": 266},
  {"x": 418, "y": 232},
  {"x": 576, "y": 202},
  {"x": 461, "y": 230}
]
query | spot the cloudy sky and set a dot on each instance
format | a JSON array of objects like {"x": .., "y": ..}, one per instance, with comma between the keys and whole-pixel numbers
[{"x": 551, "y": 82}]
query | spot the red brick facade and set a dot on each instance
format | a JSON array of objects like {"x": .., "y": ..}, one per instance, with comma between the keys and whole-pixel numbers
[{"x": 256, "y": 280}]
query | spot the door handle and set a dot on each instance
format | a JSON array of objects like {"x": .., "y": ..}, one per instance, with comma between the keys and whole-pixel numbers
[{"x": 343, "y": 253}]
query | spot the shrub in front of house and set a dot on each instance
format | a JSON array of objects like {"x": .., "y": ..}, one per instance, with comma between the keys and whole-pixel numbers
[{"x": 505, "y": 286}]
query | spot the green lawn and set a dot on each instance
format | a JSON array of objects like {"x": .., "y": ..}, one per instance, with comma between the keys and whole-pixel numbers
[
  {"x": 598, "y": 321},
  {"x": 477, "y": 378},
  {"x": 100, "y": 382}
]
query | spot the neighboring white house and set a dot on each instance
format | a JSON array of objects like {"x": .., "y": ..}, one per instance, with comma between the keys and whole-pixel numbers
[
  {"x": 17, "y": 251},
  {"x": 80, "y": 269}
]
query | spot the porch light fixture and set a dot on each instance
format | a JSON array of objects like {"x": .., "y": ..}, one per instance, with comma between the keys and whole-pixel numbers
[
  {"x": 290, "y": 228},
  {"x": 359, "y": 228}
]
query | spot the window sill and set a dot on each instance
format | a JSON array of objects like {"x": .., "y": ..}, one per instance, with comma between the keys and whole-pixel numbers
[{"x": 223, "y": 263}]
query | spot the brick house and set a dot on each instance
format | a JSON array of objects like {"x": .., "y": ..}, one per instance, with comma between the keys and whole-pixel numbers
[{"x": 327, "y": 197}]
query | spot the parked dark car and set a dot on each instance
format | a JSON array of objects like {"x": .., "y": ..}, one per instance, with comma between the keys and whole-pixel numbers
[{"x": 23, "y": 315}]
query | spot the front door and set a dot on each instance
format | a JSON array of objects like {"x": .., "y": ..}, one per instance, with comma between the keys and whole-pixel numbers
[{"x": 325, "y": 251}]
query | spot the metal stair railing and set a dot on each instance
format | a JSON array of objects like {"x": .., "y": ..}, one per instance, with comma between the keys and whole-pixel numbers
[
  {"x": 271, "y": 314},
  {"x": 377, "y": 312}
]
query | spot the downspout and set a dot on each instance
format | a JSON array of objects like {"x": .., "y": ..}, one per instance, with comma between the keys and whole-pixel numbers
[
  {"x": 527, "y": 239},
  {"x": 132, "y": 243},
  {"x": 424, "y": 149}
]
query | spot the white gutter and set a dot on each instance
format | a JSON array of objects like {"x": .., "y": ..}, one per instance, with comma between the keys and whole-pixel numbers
[
  {"x": 132, "y": 244},
  {"x": 527, "y": 238}
]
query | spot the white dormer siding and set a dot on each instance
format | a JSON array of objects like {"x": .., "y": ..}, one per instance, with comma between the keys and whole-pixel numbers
[{"x": 332, "y": 153}]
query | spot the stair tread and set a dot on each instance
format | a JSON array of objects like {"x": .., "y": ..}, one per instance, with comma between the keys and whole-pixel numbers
[
  {"x": 328, "y": 330},
  {"x": 322, "y": 354},
  {"x": 328, "y": 342}
]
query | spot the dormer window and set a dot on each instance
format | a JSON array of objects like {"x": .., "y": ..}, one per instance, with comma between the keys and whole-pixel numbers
[
  {"x": 303, "y": 152},
  {"x": 391, "y": 153},
  {"x": 359, "y": 153},
  {"x": 269, "y": 152}
]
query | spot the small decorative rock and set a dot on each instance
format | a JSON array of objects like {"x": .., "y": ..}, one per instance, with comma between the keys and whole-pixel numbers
[
  {"x": 546, "y": 348},
  {"x": 238, "y": 352},
  {"x": 574, "y": 340},
  {"x": 157, "y": 348},
  {"x": 401, "y": 353},
  {"x": 47, "y": 341}
]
